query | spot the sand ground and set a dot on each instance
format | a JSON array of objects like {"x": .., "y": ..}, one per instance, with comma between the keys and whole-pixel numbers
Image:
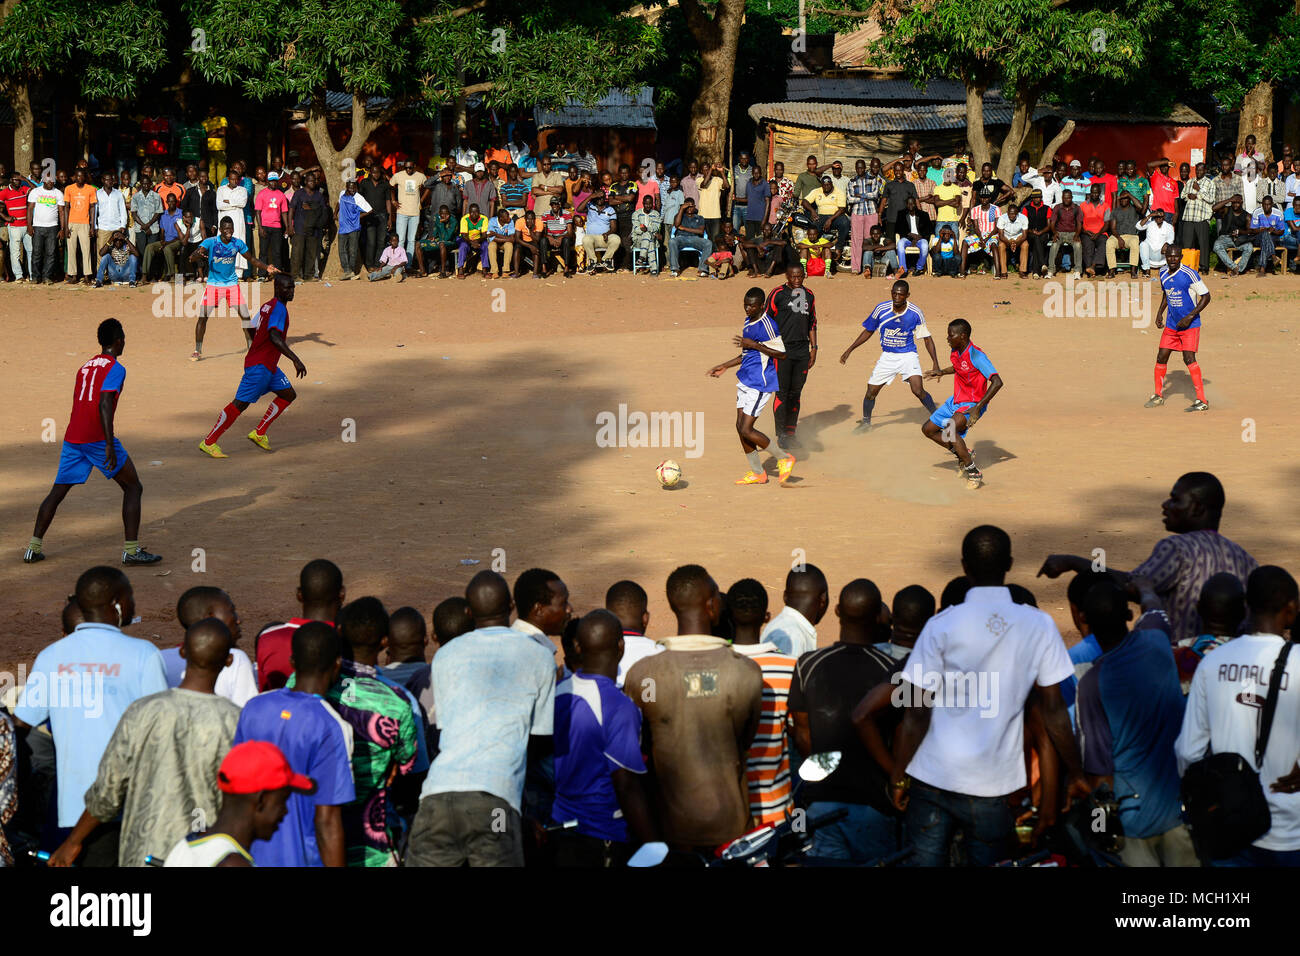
[{"x": 474, "y": 410}]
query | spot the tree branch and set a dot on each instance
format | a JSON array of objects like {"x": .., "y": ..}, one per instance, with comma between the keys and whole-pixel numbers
[
  {"x": 706, "y": 31},
  {"x": 1057, "y": 141}
]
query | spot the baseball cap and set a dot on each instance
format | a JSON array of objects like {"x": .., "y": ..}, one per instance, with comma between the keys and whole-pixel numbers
[
  {"x": 257, "y": 765},
  {"x": 827, "y": 179},
  {"x": 1075, "y": 162},
  {"x": 479, "y": 167},
  {"x": 1036, "y": 194},
  {"x": 272, "y": 177}
]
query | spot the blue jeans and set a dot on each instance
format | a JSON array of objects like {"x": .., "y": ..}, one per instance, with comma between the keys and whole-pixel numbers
[
  {"x": 922, "y": 246},
  {"x": 1245, "y": 245},
  {"x": 1254, "y": 856},
  {"x": 738, "y": 213},
  {"x": 688, "y": 240},
  {"x": 864, "y": 835},
  {"x": 406, "y": 229},
  {"x": 115, "y": 273},
  {"x": 934, "y": 816}
]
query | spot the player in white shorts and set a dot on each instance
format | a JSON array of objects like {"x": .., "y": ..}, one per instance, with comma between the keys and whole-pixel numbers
[
  {"x": 900, "y": 324},
  {"x": 761, "y": 345}
]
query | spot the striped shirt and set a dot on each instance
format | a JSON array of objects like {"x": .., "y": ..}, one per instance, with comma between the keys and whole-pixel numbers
[
  {"x": 768, "y": 768},
  {"x": 1180, "y": 565},
  {"x": 864, "y": 194},
  {"x": 1199, "y": 209},
  {"x": 986, "y": 220}
]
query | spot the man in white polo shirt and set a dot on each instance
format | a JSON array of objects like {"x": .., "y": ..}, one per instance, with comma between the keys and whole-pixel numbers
[
  {"x": 109, "y": 210},
  {"x": 794, "y": 630},
  {"x": 961, "y": 746},
  {"x": 1224, "y": 706}
]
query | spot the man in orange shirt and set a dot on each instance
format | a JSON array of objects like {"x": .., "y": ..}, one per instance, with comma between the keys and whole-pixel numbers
[
  {"x": 498, "y": 153},
  {"x": 79, "y": 197},
  {"x": 767, "y": 770},
  {"x": 169, "y": 187},
  {"x": 1096, "y": 229}
]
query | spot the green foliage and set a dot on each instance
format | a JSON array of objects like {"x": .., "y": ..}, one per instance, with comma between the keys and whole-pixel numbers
[
  {"x": 529, "y": 53},
  {"x": 104, "y": 51}
]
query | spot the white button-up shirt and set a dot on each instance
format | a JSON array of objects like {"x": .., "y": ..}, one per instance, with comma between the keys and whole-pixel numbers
[
  {"x": 110, "y": 209},
  {"x": 791, "y": 633}
]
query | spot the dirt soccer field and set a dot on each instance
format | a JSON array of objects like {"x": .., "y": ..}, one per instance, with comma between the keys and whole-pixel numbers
[{"x": 475, "y": 429}]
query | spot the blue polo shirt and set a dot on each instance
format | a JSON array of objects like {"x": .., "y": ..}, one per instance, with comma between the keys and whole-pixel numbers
[
  {"x": 597, "y": 731},
  {"x": 317, "y": 742},
  {"x": 1130, "y": 713},
  {"x": 598, "y": 220}
]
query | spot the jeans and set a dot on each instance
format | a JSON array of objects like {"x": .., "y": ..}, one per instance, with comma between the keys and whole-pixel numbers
[
  {"x": 1064, "y": 239},
  {"x": 864, "y": 835},
  {"x": 1267, "y": 244},
  {"x": 934, "y": 816},
  {"x": 890, "y": 258},
  {"x": 921, "y": 245},
  {"x": 406, "y": 229},
  {"x": 687, "y": 240},
  {"x": 1254, "y": 856},
  {"x": 383, "y": 273},
  {"x": 108, "y": 269},
  {"x": 562, "y": 247},
  {"x": 45, "y": 247},
  {"x": 349, "y": 246},
  {"x": 1225, "y": 243},
  {"x": 20, "y": 251},
  {"x": 840, "y": 225}
]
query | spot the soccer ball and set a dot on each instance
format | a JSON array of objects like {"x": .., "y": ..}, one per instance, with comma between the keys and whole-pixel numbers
[{"x": 669, "y": 473}]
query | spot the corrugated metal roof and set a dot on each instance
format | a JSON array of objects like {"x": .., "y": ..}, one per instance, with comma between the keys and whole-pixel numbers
[
  {"x": 1179, "y": 115},
  {"x": 336, "y": 101},
  {"x": 868, "y": 89},
  {"x": 878, "y": 119},
  {"x": 617, "y": 108},
  {"x": 851, "y": 48}
]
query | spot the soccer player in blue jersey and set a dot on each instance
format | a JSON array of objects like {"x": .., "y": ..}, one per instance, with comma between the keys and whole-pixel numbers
[
  {"x": 760, "y": 342},
  {"x": 977, "y": 382},
  {"x": 223, "y": 251},
  {"x": 90, "y": 443},
  {"x": 900, "y": 324},
  {"x": 1184, "y": 296}
]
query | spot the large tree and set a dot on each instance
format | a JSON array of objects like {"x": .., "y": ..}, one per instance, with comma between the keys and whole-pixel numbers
[
  {"x": 416, "y": 55},
  {"x": 715, "y": 25},
  {"x": 93, "y": 52},
  {"x": 1024, "y": 48}
]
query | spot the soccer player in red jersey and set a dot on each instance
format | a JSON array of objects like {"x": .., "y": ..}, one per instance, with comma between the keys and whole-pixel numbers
[
  {"x": 977, "y": 382},
  {"x": 262, "y": 372},
  {"x": 89, "y": 443}
]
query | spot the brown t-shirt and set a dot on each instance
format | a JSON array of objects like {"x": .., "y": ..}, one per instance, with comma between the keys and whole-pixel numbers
[{"x": 701, "y": 702}]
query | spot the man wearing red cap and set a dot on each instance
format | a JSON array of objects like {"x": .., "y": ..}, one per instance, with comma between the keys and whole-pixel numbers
[{"x": 256, "y": 783}]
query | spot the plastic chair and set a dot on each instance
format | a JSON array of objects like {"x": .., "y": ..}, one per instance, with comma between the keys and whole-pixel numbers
[{"x": 648, "y": 258}]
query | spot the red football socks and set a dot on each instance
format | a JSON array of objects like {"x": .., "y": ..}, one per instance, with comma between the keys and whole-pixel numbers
[
  {"x": 1194, "y": 370},
  {"x": 1160, "y": 378},
  {"x": 272, "y": 413},
  {"x": 224, "y": 421}
]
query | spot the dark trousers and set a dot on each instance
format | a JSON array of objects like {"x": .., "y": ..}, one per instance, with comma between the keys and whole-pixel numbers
[
  {"x": 576, "y": 850},
  {"x": 273, "y": 248},
  {"x": 1094, "y": 252},
  {"x": 562, "y": 247},
  {"x": 1196, "y": 235},
  {"x": 791, "y": 374},
  {"x": 1038, "y": 246},
  {"x": 753, "y": 228},
  {"x": 712, "y": 227},
  {"x": 372, "y": 239},
  {"x": 946, "y": 267},
  {"x": 45, "y": 249},
  {"x": 934, "y": 816},
  {"x": 474, "y": 828},
  {"x": 305, "y": 252},
  {"x": 624, "y": 253}
]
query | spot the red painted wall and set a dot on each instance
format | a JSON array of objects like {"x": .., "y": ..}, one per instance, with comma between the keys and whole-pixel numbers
[{"x": 1140, "y": 142}]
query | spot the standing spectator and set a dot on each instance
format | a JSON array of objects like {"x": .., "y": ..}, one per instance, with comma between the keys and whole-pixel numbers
[
  {"x": 700, "y": 721},
  {"x": 548, "y": 184},
  {"x": 79, "y": 199},
  {"x": 628, "y": 601},
  {"x": 307, "y": 213},
  {"x": 767, "y": 769},
  {"x": 146, "y": 209},
  {"x": 794, "y": 630},
  {"x": 347, "y": 216},
  {"x": 207, "y": 206},
  {"x": 215, "y": 126},
  {"x": 377, "y": 223},
  {"x": 758, "y": 195},
  {"x": 408, "y": 643},
  {"x": 495, "y": 694},
  {"x": 236, "y": 682},
  {"x": 742, "y": 174},
  {"x": 954, "y": 765},
  {"x": 599, "y": 770},
  {"x": 109, "y": 210},
  {"x": 649, "y": 186},
  {"x": 1248, "y": 152},
  {"x": 691, "y": 182},
  {"x": 159, "y": 770},
  {"x": 316, "y": 741},
  {"x": 1181, "y": 563},
  {"x": 671, "y": 198},
  {"x": 481, "y": 191},
  {"x": 320, "y": 594},
  {"x": 1266, "y": 228},
  {"x": 1222, "y": 607},
  {"x": 1197, "y": 211},
  {"x": 409, "y": 193},
  {"x": 713, "y": 190},
  {"x": 272, "y": 217},
  {"x": 82, "y": 718},
  {"x": 810, "y": 179},
  {"x": 622, "y": 196},
  {"x": 947, "y": 201},
  {"x": 894, "y": 200},
  {"x": 385, "y": 737},
  {"x": 1223, "y": 714},
  {"x": 1164, "y": 188},
  {"x": 1271, "y": 185},
  {"x": 13, "y": 208},
  {"x": 1130, "y": 709},
  {"x": 445, "y": 192},
  {"x": 827, "y": 687}
]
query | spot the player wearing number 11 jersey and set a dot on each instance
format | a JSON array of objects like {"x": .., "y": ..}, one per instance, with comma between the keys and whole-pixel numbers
[{"x": 89, "y": 443}]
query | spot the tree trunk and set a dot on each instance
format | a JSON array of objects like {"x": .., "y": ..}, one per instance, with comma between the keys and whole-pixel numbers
[
  {"x": 24, "y": 125},
  {"x": 1057, "y": 141},
  {"x": 461, "y": 114},
  {"x": 975, "y": 136},
  {"x": 81, "y": 116},
  {"x": 718, "y": 38},
  {"x": 1256, "y": 117},
  {"x": 1016, "y": 135}
]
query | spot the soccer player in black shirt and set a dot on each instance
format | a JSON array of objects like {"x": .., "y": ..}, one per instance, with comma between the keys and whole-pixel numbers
[{"x": 794, "y": 310}]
